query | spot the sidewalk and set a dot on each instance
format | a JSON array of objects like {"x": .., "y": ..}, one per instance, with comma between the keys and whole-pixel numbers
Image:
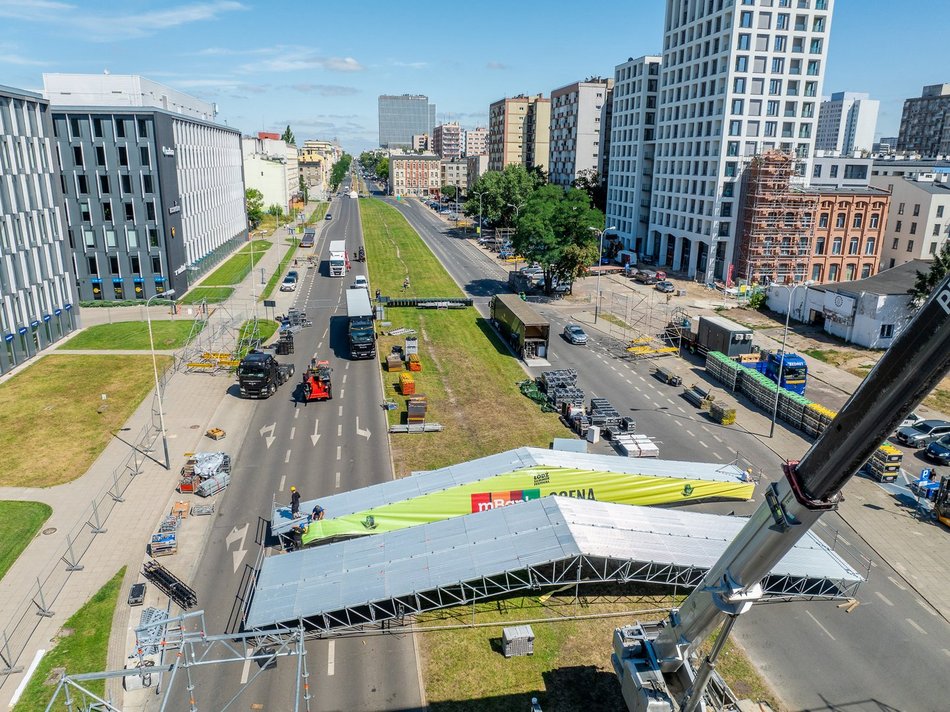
[{"x": 192, "y": 404}]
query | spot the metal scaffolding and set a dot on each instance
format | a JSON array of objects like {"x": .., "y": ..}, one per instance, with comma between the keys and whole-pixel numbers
[{"x": 215, "y": 340}]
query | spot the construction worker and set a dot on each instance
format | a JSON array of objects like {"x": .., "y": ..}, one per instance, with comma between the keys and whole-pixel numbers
[
  {"x": 317, "y": 514},
  {"x": 405, "y": 283},
  {"x": 294, "y": 502}
]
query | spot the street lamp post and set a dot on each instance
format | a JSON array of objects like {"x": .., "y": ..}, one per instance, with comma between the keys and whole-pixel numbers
[
  {"x": 517, "y": 217},
  {"x": 158, "y": 390},
  {"x": 781, "y": 364},
  {"x": 600, "y": 253}
]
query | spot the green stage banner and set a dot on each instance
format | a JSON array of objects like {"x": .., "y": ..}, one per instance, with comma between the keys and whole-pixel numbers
[{"x": 521, "y": 486}]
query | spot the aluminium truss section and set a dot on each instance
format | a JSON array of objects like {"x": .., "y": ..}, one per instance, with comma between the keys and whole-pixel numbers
[
  {"x": 215, "y": 346},
  {"x": 539, "y": 544}
]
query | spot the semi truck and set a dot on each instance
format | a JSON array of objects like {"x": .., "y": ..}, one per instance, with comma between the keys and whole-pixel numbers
[
  {"x": 259, "y": 375},
  {"x": 527, "y": 332},
  {"x": 339, "y": 260},
  {"x": 359, "y": 314},
  {"x": 794, "y": 370}
]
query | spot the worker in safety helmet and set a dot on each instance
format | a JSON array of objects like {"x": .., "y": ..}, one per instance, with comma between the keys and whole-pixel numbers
[{"x": 294, "y": 502}]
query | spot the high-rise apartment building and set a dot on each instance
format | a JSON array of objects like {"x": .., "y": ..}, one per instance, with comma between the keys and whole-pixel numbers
[
  {"x": 400, "y": 117},
  {"x": 421, "y": 142},
  {"x": 476, "y": 141},
  {"x": 737, "y": 79},
  {"x": 632, "y": 144},
  {"x": 448, "y": 140},
  {"x": 36, "y": 296},
  {"x": 154, "y": 196},
  {"x": 846, "y": 122},
  {"x": 519, "y": 132},
  {"x": 925, "y": 123},
  {"x": 580, "y": 129}
]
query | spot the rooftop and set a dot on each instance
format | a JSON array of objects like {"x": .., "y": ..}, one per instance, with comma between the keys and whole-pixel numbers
[{"x": 894, "y": 281}]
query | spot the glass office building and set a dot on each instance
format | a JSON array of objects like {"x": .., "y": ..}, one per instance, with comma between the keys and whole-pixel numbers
[{"x": 400, "y": 117}]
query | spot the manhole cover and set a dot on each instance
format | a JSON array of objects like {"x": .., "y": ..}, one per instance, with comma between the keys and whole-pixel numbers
[
  {"x": 49, "y": 530},
  {"x": 195, "y": 427}
]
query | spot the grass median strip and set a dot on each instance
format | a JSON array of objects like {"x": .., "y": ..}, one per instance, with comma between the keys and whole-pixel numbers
[
  {"x": 54, "y": 421},
  {"x": 467, "y": 374},
  {"x": 238, "y": 265},
  {"x": 81, "y": 646},
  {"x": 19, "y": 522},
  {"x": 167, "y": 333},
  {"x": 279, "y": 274}
]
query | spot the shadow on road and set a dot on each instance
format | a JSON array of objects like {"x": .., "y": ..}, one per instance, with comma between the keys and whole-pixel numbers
[{"x": 487, "y": 287}]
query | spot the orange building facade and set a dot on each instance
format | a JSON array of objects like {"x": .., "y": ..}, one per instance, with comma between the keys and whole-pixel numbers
[{"x": 848, "y": 234}]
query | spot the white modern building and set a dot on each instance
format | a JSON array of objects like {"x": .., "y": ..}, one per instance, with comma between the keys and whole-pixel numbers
[
  {"x": 834, "y": 170},
  {"x": 738, "y": 79},
  {"x": 580, "y": 129},
  {"x": 271, "y": 166},
  {"x": 918, "y": 223},
  {"x": 846, "y": 123},
  {"x": 476, "y": 141},
  {"x": 153, "y": 191},
  {"x": 36, "y": 297},
  {"x": 632, "y": 145}
]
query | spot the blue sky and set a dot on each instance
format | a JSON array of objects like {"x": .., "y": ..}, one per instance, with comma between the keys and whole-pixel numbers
[{"x": 320, "y": 66}]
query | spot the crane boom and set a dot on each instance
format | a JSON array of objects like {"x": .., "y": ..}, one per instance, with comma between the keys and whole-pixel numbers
[{"x": 652, "y": 672}]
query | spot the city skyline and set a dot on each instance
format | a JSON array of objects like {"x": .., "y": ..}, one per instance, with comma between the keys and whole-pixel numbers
[{"x": 327, "y": 86}]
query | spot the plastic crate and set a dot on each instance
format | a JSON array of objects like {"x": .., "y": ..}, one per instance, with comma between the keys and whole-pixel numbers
[{"x": 517, "y": 640}]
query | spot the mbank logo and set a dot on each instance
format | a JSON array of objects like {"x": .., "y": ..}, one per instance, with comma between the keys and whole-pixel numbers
[{"x": 482, "y": 501}]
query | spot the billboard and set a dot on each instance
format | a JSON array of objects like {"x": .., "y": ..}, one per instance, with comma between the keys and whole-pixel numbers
[{"x": 512, "y": 488}]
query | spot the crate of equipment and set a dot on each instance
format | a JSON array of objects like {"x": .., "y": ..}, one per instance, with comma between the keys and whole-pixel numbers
[
  {"x": 723, "y": 412},
  {"x": 517, "y": 640},
  {"x": 885, "y": 463},
  {"x": 407, "y": 384},
  {"x": 163, "y": 544},
  {"x": 216, "y": 434},
  {"x": 414, "y": 363},
  {"x": 417, "y": 407},
  {"x": 667, "y": 376},
  {"x": 212, "y": 485},
  {"x": 699, "y": 397},
  {"x": 169, "y": 584}
]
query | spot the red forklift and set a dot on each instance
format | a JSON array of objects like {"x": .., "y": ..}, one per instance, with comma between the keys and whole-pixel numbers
[{"x": 316, "y": 381}]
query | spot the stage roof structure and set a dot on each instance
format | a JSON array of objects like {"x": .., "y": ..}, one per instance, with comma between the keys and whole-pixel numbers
[{"x": 548, "y": 542}]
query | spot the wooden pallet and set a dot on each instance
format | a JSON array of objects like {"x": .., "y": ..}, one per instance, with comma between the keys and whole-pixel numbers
[{"x": 216, "y": 434}]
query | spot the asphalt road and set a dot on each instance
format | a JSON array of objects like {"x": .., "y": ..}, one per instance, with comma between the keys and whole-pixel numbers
[
  {"x": 321, "y": 448},
  {"x": 886, "y": 654}
]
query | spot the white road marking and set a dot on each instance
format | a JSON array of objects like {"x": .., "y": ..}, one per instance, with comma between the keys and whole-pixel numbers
[
  {"x": 331, "y": 650},
  {"x": 916, "y": 627},
  {"x": 897, "y": 583},
  {"x": 319, "y": 346},
  {"x": 670, "y": 401},
  {"x": 339, "y": 430},
  {"x": 325, "y": 332},
  {"x": 703, "y": 444},
  {"x": 340, "y": 411},
  {"x": 293, "y": 430},
  {"x": 923, "y": 604},
  {"x": 344, "y": 375},
  {"x": 337, "y": 480},
  {"x": 637, "y": 389},
  {"x": 339, "y": 452},
  {"x": 287, "y": 457},
  {"x": 844, "y": 541},
  {"x": 717, "y": 455},
  {"x": 883, "y": 598},
  {"x": 681, "y": 410},
  {"x": 246, "y": 671},
  {"x": 342, "y": 390},
  {"x": 720, "y": 440},
  {"x": 808, "y": 613},
  {"x": 628, "y": 381},
  {"x": 283, "y": 481},
  {"x": 296, "y": 413}
]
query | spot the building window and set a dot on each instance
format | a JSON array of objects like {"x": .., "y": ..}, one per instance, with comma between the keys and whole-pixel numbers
[
  {"x": 875, "y": 219},
  {"x": 836, "y": 246},
  {"x": 936, "y": 232},
  {"x": 110, "y": 240},
  {"x": 910, "y": 245},
  {"x": 100, "y": 156},
  {"x": 123, "y": 156},
  {"x": 89, "y": 239},
  {"x": 887, "y": 331},
  {"x": 913, "y": 228},
  {"x": 894, "y": 245},
  {"x": 82, "y": 184},
  {"x": 150, "y": 210},
  {"x": 156, "y": 264},
  {"x": 129, "y": 212},
  {"x": 153, "y": 237},
  {"x": 833, "y": 273},
  {"x": 820, "y": 246},
  {"x": 853, "y": 245},
  {"x": 869, "y": 246},
  {"x": 143, "y": 153},
  {"x": 897, "y": 226},
  {"x": 850, "y": 271},
  {"x": 104, "y": 184},
  {"x": 97, "y": 128},
  {"x": 865, "y": 271},
  {"x": 933, "y": 248},
  {"x": 147, "y": 183},
  {"x": 107, "y": 211},
  {"x": 84, "y": 211},
  {"x": 120, "y": 128},
  {"x": 93, "y": 265},
  {"x": 900, "y": 209},
  {"x": 126, "y": 183},
  {"x": 823, "y": 220},
  {"x": 916, "y": 209},
  {"x": 939, "y": 211},
  {"x": 840, "y": 220},
  {"x": 816, "y": 273},
  {"x": 858, "y": 219}
]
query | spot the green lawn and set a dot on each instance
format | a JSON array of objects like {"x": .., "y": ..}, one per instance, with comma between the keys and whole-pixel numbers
[
  {"x": 83, "y": 649},
  {"x": 319, "y": 212},
  {"x": 55, "y": 408},
  {"x": 213, "y": 295},
  {"x": 238, "y": 265},
  {"x": 265, "y": 329},
  {"x": 167, "y": 334},
  {"x": 19, "y": 522},
  {"x": 468, "y": 375}
]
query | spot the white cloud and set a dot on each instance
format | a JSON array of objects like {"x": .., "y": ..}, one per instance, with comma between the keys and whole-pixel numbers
[
  {"x": 411, "y": 65},
  {"x": 10, "y": 54},
  {"x": 324, "y": 89},
  {"x": 113, "y": 25},
  {"x": 296, "y": 59},
  {"x": 496, "y": 65}
]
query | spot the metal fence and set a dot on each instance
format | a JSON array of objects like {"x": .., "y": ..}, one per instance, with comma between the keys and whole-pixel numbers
[{"x": 53, "y": 578}]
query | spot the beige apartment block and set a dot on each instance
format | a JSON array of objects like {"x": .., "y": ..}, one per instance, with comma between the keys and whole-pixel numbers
[{"x": 519, "y": 132}]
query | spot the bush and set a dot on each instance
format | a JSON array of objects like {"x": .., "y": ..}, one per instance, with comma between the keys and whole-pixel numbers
[
  {"x": 757, "y": 300},
  {"x": 98, "y": 303}
]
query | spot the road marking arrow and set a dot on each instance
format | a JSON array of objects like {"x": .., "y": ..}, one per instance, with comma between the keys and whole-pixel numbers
[
  {"x": 237, "y": 535},
  {"x": 269, "y": 438},
  {"x": 363, "y": 433},
  {"x": 316, "y": 435}
]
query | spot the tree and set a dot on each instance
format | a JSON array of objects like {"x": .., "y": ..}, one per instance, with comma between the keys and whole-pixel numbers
[
  {"x": 560, "y": 231},
  {"x": 588, "y": 180},
  {"x": 254, "y": 205},
  {"x": 304, "y": 190},
  {"x": 275, "y": 210},
  {"x": 381, "y": 169},
  {"x": 288, "y": 136},
  {"x": 925, "y": 284},
  {"x": 449, "y": 191},
  {"x": 339, "y": 171},
  {"x": 503, "y": 193}
]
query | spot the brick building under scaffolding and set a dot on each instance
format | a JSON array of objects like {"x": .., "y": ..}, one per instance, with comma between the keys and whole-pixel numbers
[{"x": 791, "y": 233}]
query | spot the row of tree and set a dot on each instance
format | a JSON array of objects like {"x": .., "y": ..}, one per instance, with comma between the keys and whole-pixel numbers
[
  {"x": 375, "y": 162},
  {"x": 339, "y": 171},
  {"x": 557, "y": 228}
]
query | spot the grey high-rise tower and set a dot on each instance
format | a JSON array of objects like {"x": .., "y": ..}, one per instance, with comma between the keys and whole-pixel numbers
[{"x": 400, "y": 117}]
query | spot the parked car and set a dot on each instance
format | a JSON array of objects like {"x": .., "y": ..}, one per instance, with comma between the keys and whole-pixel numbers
[
  {"x": 328, "y": 217},
  {"x": 534, "y": 272},
  {"x": 645, "y": 276},
  {"x": 910, "y": 420},
  {"x": 137, "y": 594},
  {"x": 923, "y": 432},
  {"x": 359, "y": 282},
  {"x": 665, "y": 287},
  {"x": 575, "y": 334},
  {"x": 661, "y": 275},
  {"x": 288, "y": 285},
  {"x": 939, "y": 450}
]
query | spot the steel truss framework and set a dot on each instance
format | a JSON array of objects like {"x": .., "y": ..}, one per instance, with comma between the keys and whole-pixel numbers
[{"x": 576, "y": 570}]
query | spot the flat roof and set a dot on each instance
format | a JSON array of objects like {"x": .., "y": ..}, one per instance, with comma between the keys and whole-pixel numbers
[
  {"x": 896, "y": 280},
  {"x": 479, "y": 555},
  {"x": 419, "y": 484},
  {"x": 521, "y": 309},
  {"x": 725, "y": 323}
]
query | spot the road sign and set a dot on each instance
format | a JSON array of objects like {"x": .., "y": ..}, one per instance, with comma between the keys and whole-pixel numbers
[{"x": 270, "y": 303}]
